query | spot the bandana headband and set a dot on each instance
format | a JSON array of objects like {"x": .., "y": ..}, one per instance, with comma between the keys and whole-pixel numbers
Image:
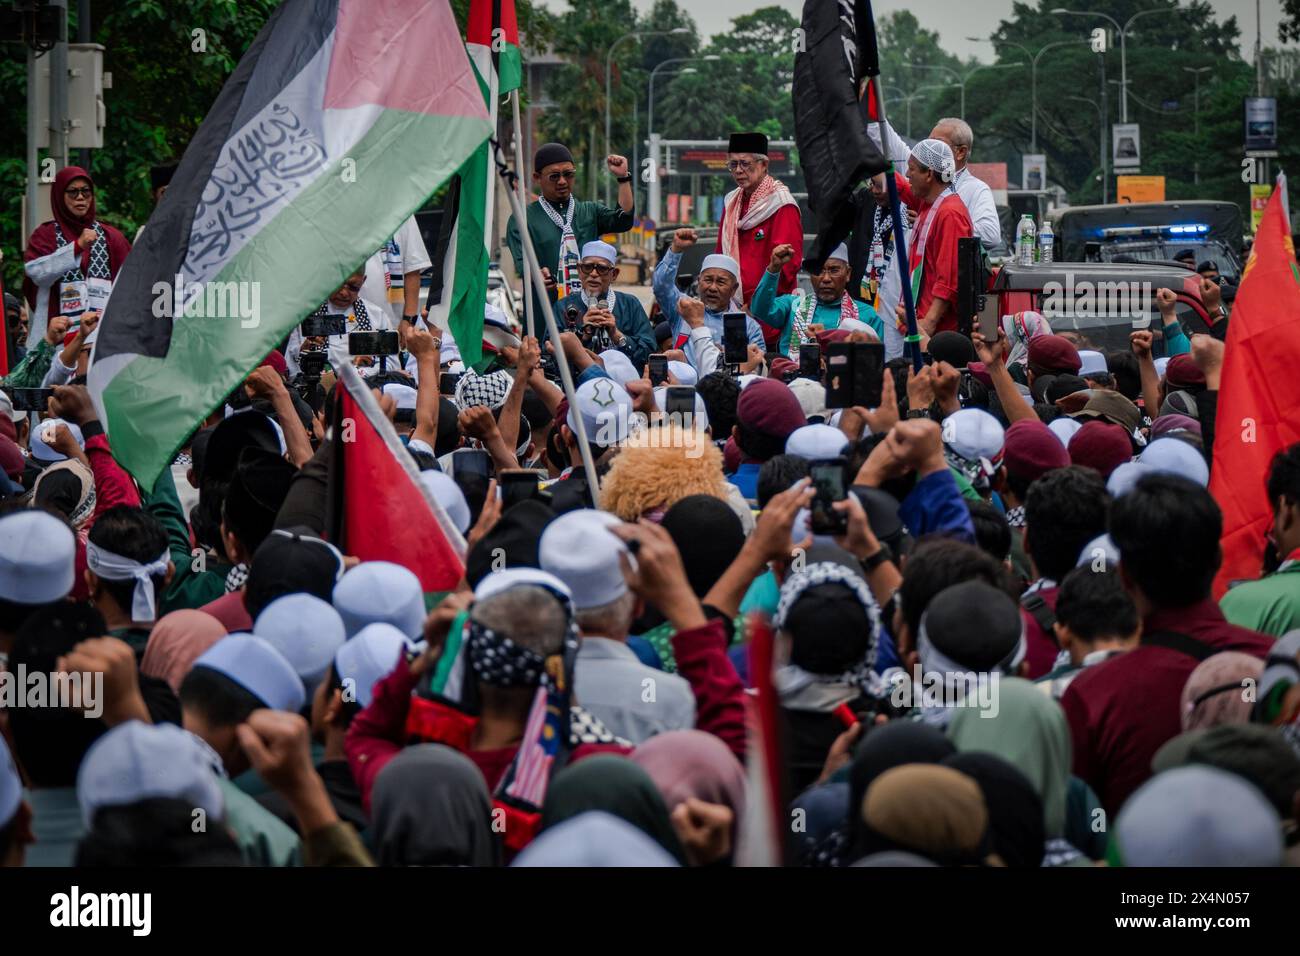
[
  {"x": 827, "y": 572},
  {"x": 114, "y": 567}
]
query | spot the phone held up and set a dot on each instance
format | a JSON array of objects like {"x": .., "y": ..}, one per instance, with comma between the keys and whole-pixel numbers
[
  {"x": 854, "y": 374},
  {"x": 828, "y": 488}
]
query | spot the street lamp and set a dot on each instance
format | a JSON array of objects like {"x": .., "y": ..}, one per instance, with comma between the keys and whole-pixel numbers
[
  {"x": 1033, "y": 79},
  {"x": 1196, "y": 72},
  {"x": 1101, "y": 144},
  {"x": 650, "y": 118},
  {"x": 1122, "y": 31},
  {"x": 962, "y": 80},
  {"x": 609, "y": 66},
  {"x": 916, "y": 94}
]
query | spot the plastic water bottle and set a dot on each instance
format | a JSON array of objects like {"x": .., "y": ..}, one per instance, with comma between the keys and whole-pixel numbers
[
  {"x": 1025, "y": 240},
  {"x": 1046, "y": 242}
]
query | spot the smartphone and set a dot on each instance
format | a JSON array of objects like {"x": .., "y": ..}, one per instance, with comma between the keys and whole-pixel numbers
[
  {"x": 447, "y": 382},
  {"x": 679, "y": 402},
  {"x": 30, "y": 399},
  {"x": 374, "y": 343},
  {"x": 828, "y": 488},
  {"x": 315, "y": 325},
  {"x": 312, "y": 364},
  {"x": 472, "y": 460},
  {"x": 735, "y": 338},
  {"x": 810, "y": 361},
  {"x": 989, "y": 320},
  {"x": 519, "y": 484},
  {"x": 684, "y": 281},
  {"x": 571, "y": 317},
  {"x": 658, "y": 369},
  {"x": 854, "y": 374}
]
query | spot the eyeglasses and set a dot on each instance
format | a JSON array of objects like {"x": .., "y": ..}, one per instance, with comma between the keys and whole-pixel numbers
[
  {"x": 566, "y": 174},
  {"x": 594, "y": 268},
  {"x": 739, "y": 164},
  {"x": 79, "y": 191}
]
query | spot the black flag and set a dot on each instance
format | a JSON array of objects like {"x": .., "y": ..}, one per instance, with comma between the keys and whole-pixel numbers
[{"x": 830, "y": 117}]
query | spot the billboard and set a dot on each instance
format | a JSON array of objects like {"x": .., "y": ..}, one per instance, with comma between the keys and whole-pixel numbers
[
  {"x": 1125, "y": 146},
  {"x": 1033, "y": 174},
  {"x": 1261, "y": 123},
  {"x": 1259, "y": 197},
  {"x": 1139, "y": 189}
]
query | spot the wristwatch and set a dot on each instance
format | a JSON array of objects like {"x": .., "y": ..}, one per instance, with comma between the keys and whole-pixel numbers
[
  {"x": 624, "y": 179},
  {"x": 918, "y": 413},
  {"x": 410, "y": 318},
  {"x": 870, "y": 564}
]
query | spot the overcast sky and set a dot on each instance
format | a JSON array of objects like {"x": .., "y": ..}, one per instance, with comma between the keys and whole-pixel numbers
[{"x": 954, "y": 20}]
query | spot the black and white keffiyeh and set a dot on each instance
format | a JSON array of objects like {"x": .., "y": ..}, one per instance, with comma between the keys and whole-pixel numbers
[
  {"x": 98, "y": 268},
  {"x": 862, "y": 675},
  {"x": 490, "y": 390},
  {"x": 358, "y": 311}
]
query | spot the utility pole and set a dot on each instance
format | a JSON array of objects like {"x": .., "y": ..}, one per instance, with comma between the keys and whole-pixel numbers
[
  {"x": 83, "y": 36},
  {"x": 59, "y": 88},
  {"x": 1105, "y": 120},
  {"x": 1196, "y": 72}
]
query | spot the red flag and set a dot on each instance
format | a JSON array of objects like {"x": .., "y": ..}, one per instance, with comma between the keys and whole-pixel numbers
[
  {"x": 381, "y": 510},
  {"x": 1259, "y": 395},
  {"x": 762, "y": 839}
]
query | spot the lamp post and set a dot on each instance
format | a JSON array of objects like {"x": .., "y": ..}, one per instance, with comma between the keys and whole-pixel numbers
[
  {"x": 609, "y": 65},
  {"x": 1122, "y": 31},
  {"x": 962, "y": 80},
  {"x": 650, "y": 116},
  {"x": 1101, "y": 143},
  {"x": 1033, "y": 78}
]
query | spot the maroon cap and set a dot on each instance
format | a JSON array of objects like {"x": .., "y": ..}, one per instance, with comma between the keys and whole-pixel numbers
[
  {"x": 1052, "y": 353},
  {"x": 1183, "y": 372},
  {"x": 276, "y": 361},
  {"x": 770, "y": 407},
  {"x": 826, "y": 336},
  {"x": 1166, "y": 424},
  {"x": 1031, "y": 450},
  {"x": 11, "y": 458},
  {"x": 783, "y": 368},
  {"x": 731, "y": 456},
  {"x": 1102, "y": 446}
]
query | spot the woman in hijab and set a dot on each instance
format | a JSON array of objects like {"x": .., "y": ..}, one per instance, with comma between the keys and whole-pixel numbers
[
  {"x": 933, "y": 811},
  {"x": 1015, "y": 811},
  {"x": 430, "y": 807},
  {"x": 176, "y": 642},
  {"x": 1215, "y": 693},
  {"x": 72, "y": 260},
  {"x": 692, "y": 764},
  {"x": 1020, "y": 328},
  {"x": 1030, "y": 732},
  {"x": 617, "y": 786}
]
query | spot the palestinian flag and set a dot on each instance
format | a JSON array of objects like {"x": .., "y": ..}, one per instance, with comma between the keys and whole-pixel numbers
[
  {"x": 456, "y": 297},
  {"x": 322, "y": 142},
  {"x": 379, "y": 508}
]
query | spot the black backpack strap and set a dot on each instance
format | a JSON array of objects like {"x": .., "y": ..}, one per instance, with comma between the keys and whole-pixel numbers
[
  {"x": 1181, "y": 643},
  {"x": 1041, "y": 612}
]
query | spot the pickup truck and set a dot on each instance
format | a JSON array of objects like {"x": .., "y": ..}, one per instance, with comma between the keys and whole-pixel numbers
[{"x": 1097, "y": 304}]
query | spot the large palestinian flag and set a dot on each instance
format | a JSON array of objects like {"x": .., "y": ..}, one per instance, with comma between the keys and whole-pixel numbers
[
  {"x": 340, "y": 120},
  {"x": 464, "y": 248}
]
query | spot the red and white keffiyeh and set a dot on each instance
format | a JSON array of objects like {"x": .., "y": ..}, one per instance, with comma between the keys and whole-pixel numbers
[{"x": 769, "y": 196}]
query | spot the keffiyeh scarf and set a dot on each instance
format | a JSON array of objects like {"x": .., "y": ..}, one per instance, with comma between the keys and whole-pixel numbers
[{"x": 768, "y": 197}]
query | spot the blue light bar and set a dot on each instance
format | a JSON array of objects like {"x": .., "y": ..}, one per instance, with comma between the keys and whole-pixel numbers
[{"x": 1190, "y": 229}]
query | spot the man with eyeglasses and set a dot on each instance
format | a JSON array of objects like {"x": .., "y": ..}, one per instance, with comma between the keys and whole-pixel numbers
[
  {"x": 757, "y": 216},
  {"x": 361, "y": 315},
  {"x": 716, "y": 286},
  {"x": 560, "y": 225},
  {"x": 602, "y": 313}
]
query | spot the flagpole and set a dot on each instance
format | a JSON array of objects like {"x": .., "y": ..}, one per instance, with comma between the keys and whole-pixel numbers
[
  {"x": 489, "y": 204},
  {"x": 552, "y": 330},
  {"x": 912, "y": 344},
  {"x": 519, "y": 175}
]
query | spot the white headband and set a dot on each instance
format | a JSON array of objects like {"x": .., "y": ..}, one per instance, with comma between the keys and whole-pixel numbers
[{"x": 114, "y": 567}]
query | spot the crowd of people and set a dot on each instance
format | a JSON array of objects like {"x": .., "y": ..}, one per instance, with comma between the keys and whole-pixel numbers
[{"x": 1004, "y": 652}]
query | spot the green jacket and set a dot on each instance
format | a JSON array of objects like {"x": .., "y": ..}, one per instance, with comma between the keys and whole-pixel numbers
[
  {"x": 264, "y": 838},
  {"x": 1270, "y": 605},
  {"x": 591, "y": 220},
  {"x": 195, "y": 582}
]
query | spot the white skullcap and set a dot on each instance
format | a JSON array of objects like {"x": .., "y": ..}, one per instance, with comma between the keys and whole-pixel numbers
[
  {"x": 448, "y": 494},
  {"x": 717, "y": 260},
  {"x": 1124, "y": 477},
  {"x": 368, "y": 658},
  {"x": 43, "y": 434},
  {"x": 403, "y": 395},
  {"x": 38, "y": 555},
  {"x": 619, "y": 367},
  {"x": 1064, "y": 428},
  {"x": 606, "y": 410},
  {"x": 936, "y": 156},
  {"x": 1091, "y": 363},
  {"x": 306, "y": 630},
  {"x": 974, "y": 434},
  {"x": 1105, "y": 545},
  {"x": 11, "y": 785},
  {"x": 498, "y": 582},
  {"x": 577, "y": 549},
  {"x": 1161, "y": 364},
  {"x": 137, "y": 761},
  {"x": 255, "y": 665},
  {"x": 1176, "y": 457},
  {"x": 816, "y": 442},
  {"x": 600, "y": 250},
  {"x": 380, "y": 591},
  {"x": 685, "y": 374},
  {"x": 811, "y": 395},
  {"x": 840, "y": 252}
]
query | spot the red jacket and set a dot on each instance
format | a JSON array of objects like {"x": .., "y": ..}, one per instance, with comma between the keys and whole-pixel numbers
[
  {"x": 1124, "y": 710},
  {"x": 783, "y": 226},
  {"x": 113, "y": 487},
  {"x": 378, "y": 733}
]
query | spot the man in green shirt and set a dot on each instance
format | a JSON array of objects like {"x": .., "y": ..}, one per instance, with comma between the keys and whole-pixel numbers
[
  {"x": 1271, "y": 605},
  {"x": 560, "y": 225},
  {"x": 800, "y": 316}
]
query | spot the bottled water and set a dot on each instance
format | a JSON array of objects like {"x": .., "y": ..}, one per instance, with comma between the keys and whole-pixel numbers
[
  {"x": 1046, "y": 242},
  {"x": 1025, "y": 241}
]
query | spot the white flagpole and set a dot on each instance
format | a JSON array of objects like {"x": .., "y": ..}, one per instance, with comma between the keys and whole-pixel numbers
[
  {"x": 552, "y": 330},
  {"x": 523, "y": 199},
  {"x": 489, "y": 234}
]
